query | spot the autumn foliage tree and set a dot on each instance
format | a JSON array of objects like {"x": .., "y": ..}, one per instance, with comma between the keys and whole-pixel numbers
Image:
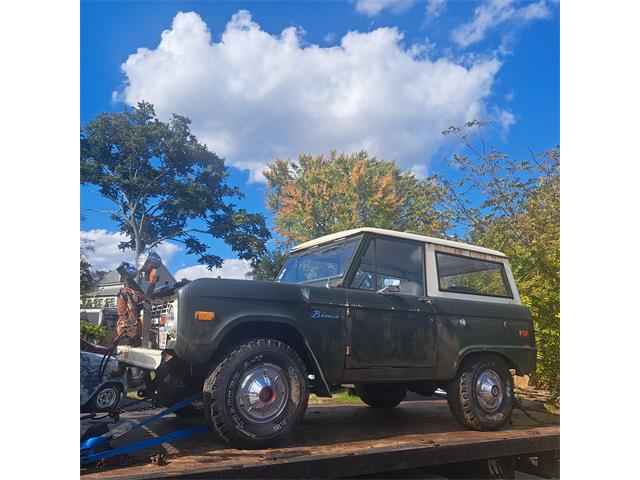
[
  {"x": 319, "y": 195},
  {"x": 513, "y": 206}
]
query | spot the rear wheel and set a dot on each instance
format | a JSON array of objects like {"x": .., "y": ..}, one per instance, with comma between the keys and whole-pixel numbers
[
  {"x": 382, "y": 395},
  {"x": 481, "y": 394},
  {"x": 257, "y": 394}
]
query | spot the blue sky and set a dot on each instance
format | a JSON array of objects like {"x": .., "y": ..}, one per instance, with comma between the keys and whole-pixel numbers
[{"x": 267, "y": 79}]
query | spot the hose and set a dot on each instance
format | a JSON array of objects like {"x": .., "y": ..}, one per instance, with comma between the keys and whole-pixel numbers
[{"x": 105, "y": 358}]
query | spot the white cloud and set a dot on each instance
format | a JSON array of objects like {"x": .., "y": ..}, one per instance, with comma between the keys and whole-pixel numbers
[
  {"x": 435, "y": 8},
  {"x": 374, "y": 7},
  {"x": 254, "y": 96},
  {"x": 496, "y": 12},
  {"x": 106, "y": 255},
  {"x": 505, "y": 119},
  {"x": 231, "y": 268}
]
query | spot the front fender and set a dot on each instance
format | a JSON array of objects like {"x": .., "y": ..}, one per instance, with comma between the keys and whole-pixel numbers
[{"x": 206, "y": 344}]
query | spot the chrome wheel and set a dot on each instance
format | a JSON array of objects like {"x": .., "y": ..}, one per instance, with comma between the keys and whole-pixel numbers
[
  {"x": 263, "y": 393},
  {"x": 107, "y": 398},
  {"x": 489, "y": 391}
]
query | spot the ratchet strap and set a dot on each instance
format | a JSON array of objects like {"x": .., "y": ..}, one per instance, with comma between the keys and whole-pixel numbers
[{"x": 86, "y": 448}]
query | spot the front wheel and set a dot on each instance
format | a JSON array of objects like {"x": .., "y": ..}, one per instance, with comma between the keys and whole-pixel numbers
[
  {"x": 481, "y": 395},
  {"x": 257, "y": 394}
]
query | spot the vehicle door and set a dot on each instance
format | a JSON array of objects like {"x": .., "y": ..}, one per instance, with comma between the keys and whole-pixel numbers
[
  {"x": 317, "y": 272},
  {"x": 389, "y": 328}
]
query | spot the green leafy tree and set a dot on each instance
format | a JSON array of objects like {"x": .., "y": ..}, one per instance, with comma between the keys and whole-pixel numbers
[
  {"x": 91, "y": 332},
  {"x": 514, "y": 206},
  {"x": 319, "y": 195},
  {"x": 165, "y": 185},
  {"x": 86, "y": 279},
  {"x": 267, "y": 266}
]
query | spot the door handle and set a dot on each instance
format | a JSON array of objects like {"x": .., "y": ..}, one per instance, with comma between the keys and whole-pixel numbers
[{"x": 428, "y": 301}]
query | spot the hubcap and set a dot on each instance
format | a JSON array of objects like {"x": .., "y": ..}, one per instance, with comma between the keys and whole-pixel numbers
[
  {"x": 263, "y": 393},
  {"x": 106, "y": 398},
  {"x": 489, "y": 391}
]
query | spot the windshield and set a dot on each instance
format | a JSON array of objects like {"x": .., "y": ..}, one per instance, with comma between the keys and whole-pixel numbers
[{"x": 322, "y": 263}]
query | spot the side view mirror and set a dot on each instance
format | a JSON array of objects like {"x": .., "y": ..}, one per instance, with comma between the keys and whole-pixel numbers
[{"x": 390, "y": 285}]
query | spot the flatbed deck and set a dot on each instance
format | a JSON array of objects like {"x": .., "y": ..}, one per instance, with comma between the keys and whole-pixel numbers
[{"x": 337, "y": 441}]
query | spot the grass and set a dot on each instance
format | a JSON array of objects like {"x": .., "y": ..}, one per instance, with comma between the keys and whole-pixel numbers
[
  {"x": 338, "y": 397},
  {"x": 133, "y": 395},
  {"x": 551, "y": 408}
]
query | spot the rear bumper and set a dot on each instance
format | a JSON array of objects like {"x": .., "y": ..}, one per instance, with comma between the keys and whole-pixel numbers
[{"x": 147, "y": 358}]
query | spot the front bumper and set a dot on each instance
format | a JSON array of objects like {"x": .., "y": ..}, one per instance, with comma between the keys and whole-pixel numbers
[{"x": 147, "y": 358}]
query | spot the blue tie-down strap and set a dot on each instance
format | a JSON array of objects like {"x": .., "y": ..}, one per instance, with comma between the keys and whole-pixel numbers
[
  {"x": 142, "y": 444},
  {"x": 86, "y": 447}
]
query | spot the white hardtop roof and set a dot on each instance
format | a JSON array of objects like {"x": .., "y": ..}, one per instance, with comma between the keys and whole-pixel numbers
[{"x": 392, "y": 233}]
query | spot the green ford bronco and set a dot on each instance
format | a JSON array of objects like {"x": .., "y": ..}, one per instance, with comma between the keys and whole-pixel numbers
[{"x": 384, "y": 311}]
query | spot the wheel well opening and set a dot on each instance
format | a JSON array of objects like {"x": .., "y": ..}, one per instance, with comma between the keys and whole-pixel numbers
[
  {"x": 278, "y": 331},
  {"x": 510, "y": 364}
]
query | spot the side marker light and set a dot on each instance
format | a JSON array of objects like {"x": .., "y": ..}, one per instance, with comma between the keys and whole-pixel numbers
[{"x": 205, "y": 316}]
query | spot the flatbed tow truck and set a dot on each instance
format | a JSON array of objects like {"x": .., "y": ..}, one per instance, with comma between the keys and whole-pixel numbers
[{"x": 348, "y": 440}]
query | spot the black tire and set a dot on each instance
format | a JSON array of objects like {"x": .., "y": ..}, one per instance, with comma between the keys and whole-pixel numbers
[
  {"x": 106, "y": 398},
  {"x": 381, "y": 395},
  {"x": 226, "y": 400},
  {"x": 173, "y": 384},
  {"x": 465, "y": 397}
]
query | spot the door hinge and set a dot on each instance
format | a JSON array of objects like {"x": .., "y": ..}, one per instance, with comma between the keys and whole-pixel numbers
[{"x": 347, "y": 351}]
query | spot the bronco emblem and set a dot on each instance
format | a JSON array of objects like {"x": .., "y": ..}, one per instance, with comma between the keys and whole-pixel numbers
[{"x": 324, "y": 315}]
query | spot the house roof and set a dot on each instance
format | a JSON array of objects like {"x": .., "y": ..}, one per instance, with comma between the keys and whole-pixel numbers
[
  {"x": 393, "y": 233},
  {"x": 113, "y": 277}
]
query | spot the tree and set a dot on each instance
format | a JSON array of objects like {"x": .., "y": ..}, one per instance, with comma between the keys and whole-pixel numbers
[
  {"x": 267, "y": 266},
  {"x": 91, "y": 332},
  {"x": 514, "y": 206},
  {"x": 165, "y": 185},
  {"x": 320, "y": 195},
  {"x": 86, "y": 279}
]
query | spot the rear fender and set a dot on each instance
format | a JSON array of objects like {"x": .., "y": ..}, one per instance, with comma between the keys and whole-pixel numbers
[{"x": 522, "y": 359}]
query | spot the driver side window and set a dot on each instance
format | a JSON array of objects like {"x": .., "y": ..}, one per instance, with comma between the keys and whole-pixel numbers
[
  {"x": 394, "y": 259},
  {"x": 365, "y": 277}
]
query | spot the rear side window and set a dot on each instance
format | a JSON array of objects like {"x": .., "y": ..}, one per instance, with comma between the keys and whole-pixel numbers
[{"x": 461, "y": 274}]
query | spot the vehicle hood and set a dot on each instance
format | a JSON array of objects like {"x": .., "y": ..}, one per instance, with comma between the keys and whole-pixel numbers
[{"x": 249, "y": 290}]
